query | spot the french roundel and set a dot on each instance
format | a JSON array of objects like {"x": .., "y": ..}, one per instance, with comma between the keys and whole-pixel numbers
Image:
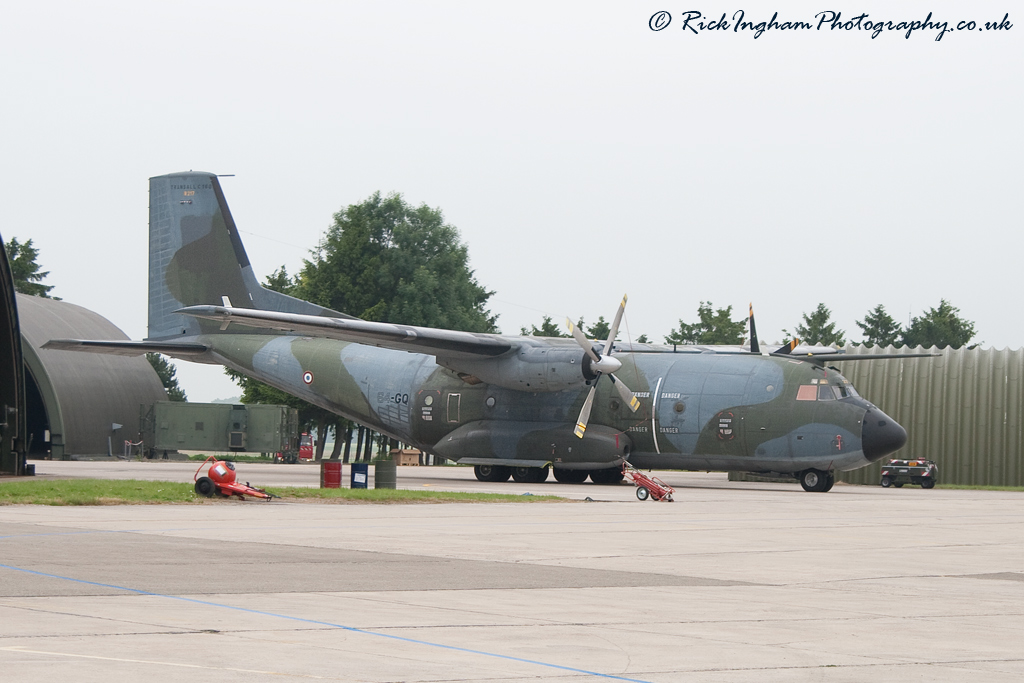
[{"x": 307, "y": 377}]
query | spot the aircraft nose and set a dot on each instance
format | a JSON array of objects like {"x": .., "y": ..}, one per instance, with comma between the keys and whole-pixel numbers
[{"x": 881, "y": 435}]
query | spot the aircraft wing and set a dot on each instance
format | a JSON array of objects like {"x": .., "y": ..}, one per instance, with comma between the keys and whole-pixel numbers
[
  {"x": 822, "y": 357},
  {"x": 127, "y": 348},
  {"x": 450, "y": 343}
]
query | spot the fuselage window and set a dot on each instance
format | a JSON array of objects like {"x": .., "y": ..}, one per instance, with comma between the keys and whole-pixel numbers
[{"x": 807, "y": 392}]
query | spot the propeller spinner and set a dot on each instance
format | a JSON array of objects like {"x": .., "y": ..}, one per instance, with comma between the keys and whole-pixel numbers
[{"x": 602, "y": 365}]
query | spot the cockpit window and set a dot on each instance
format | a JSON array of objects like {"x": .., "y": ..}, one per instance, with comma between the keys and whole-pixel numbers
[
  {"x": 825, "y": 393},
  {"x": 807, "y": 392},
  {"x": 851, "y": 390},
  {"x": 839, "y": 391}
]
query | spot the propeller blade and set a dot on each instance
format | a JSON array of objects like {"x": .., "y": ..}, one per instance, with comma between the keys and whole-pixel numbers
[
  {"x": 613, "y": 331},
  {"x": 582, "y": 340},
  {"x": 754, "y": 346},
  {"x": 581, "y": 424},
  {"x": 628, "y": 396}
]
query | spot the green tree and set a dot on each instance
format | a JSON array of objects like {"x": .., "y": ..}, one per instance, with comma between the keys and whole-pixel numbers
[
  {"x": 546, "y": 329},
  {"x": 817, "y": 330},
  {"x": 642, "y": 339},
  {"x": 280, "y": 281},
  {"x": 166, "y": 371},
  {"x": 598, "y": 330},
  {"x": 879, "y": 328},
  {"x": 25, "y": 270},
  {"x": 385, "y": 260},
  {"x": 715, "y": 327},
  {"x": 940, "y": 327}
]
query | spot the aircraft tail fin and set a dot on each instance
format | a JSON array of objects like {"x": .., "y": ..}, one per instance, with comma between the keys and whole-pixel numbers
[{"x": 196, "y": 257}]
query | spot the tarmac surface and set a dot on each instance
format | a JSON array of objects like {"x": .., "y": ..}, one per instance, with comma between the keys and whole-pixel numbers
[{"x": 733, "y": 582}]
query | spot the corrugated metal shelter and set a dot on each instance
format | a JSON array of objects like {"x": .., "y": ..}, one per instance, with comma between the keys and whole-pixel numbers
[
  {"x": 78, "y": 397},
  {"x": 12, "y": 375},
  {"x": 963, "y": 409}
]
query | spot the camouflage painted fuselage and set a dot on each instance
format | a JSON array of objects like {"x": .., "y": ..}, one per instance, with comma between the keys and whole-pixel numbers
[
  {"x": 699, "y": 411},
  {"x": 489, "y": 399}
]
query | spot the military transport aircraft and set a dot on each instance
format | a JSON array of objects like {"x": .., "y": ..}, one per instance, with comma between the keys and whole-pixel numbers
[{"x": 514, "y": 406}]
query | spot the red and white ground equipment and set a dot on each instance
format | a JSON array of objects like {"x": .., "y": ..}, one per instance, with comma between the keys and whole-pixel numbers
[
  {"x": 647, "y": 486},
  {"x": 220, "y": 479}
]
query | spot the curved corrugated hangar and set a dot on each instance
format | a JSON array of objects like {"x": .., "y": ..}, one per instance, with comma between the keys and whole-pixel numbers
[
  {"x": 12, "y": 375},
  {"x": 79, "y": 404}
]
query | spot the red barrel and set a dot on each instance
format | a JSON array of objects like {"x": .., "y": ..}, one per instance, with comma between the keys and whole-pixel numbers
[{"x": 330, "y": 474}]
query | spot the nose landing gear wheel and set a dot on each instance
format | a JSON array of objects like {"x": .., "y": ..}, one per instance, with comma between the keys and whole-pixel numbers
[
  {"x": 642, "y": 493},
  {"x": 815, "y": 481}
]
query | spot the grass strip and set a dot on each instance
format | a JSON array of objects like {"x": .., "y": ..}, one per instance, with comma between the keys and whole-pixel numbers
[
  {"x": 136, "y": 492},
  {"x": 94, "y": 492}
]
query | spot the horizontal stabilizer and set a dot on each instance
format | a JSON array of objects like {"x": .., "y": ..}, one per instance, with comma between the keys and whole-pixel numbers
[
  {"x": 447, "y": 343},
  {"x": 126, "y": 347}
]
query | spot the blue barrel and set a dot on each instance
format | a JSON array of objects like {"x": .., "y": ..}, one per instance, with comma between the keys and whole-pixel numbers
[{"x": 360, "y": 474}]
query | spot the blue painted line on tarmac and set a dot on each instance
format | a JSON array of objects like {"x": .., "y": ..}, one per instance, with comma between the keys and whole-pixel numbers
[
  {"x": 81, "y": 533},
  {"x": 351, "y": 629}
]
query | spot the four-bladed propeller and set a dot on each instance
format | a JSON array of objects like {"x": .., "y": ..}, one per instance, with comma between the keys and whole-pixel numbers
[{"x": 601, "y": 364}]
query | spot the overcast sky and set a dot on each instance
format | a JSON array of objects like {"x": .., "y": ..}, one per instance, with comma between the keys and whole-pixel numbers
[{"x": 581, "y": 154}]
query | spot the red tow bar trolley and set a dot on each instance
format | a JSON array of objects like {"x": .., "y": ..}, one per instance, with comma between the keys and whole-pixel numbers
[
  {"x": 221, "y": 479},
  {"x": 646, "y": 486}
]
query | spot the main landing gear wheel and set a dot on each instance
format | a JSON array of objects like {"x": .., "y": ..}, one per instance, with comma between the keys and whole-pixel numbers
[
  {"x": 570, "y": 476},
  {"x": 492, "y": 473},
  {"x": 642, "y": 493},
  {"x": 205, "y": 487},
  {"x": 530, "y": 475},
  {"x": 611, "y": 475},
  {"x": 815, "y": 481}
]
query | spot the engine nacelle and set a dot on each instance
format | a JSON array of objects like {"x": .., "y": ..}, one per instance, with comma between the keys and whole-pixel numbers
[{"x": 544, "y": 367}]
